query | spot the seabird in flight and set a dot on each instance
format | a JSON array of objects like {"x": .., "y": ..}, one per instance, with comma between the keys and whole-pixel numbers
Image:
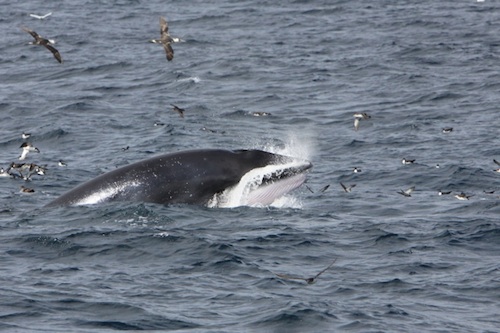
[
  {"x": 166, "y": 39},
  {"x": 44, "y": 42}
]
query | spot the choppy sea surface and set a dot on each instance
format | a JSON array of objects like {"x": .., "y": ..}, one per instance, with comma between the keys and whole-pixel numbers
[{"x": 425, "y": 263}]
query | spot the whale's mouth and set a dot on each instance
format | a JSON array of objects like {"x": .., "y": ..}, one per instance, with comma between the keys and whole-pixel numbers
[{"x": 263, "y": 186}]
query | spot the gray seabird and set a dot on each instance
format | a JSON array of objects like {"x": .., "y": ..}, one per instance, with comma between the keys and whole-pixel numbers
[
  {"x": 309, "y": 280},
  {"x": 357, "y": 117},
  {"x": 407, "y": 193},
  {"x": 177, "y": 109},
  {"x": 44, "y": 42},
  {"x": 166, "y": 39}
]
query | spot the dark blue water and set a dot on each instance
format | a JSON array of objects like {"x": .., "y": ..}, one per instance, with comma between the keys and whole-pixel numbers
[{"x": 424, "y": 263}]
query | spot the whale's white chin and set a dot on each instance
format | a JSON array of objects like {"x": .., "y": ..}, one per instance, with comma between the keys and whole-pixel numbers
[{"x": 253, "y": 189}]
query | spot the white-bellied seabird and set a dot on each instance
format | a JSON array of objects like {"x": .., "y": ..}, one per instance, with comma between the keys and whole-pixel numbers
[
  {"x": 27, "y": 147},
  {"x": 407, "y": 161},
  {"x": 407, "y": 193},
  {"x": 462, "y": 196},
  {"x": 443, "y": 192},
  {"x": 5, "y": 173},
  {"x": 347, "y": 189},
  {"x": 41, "y": 17},
  {"x": 165, "y": 39},
  {"x": 357, "y": 118},
  {"x": 447, "y": 130},
  {"x": 44, "y": 42}
]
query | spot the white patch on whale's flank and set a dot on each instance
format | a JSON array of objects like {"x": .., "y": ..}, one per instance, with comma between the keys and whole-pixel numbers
[
  {"x": 105, "y": 193},
  {"x": 250, "y": 191}
]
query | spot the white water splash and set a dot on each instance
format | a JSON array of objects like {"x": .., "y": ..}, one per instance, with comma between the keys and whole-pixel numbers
[{"x": 297, "y": 146}]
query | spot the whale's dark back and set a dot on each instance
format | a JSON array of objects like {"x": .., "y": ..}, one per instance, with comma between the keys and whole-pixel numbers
[{"x": 191, "y": 177}]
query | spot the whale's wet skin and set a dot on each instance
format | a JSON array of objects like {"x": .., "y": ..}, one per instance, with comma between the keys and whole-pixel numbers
[{"x": 218, "y": 178}]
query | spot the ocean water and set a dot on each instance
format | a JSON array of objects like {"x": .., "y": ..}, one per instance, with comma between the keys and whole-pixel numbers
[{"x": 424, "y": 263}]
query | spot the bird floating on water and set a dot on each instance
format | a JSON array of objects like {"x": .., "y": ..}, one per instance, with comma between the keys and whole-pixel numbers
[
  {"x": 407, "y": 161},
  {"x": 44, "y": 42},
  {"x": 462, "y": 196},
  {"x": 26, "y": 189}
]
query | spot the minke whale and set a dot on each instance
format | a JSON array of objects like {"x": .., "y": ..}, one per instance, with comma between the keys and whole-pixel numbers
[{"x": 195, "y": 177}]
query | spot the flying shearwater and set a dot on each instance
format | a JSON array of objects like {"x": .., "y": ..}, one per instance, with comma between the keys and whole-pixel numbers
[
  {"x": 324, "y": 188},
  {"x": 357, "y": 117},
  {"x": 178, "y": 110},
  {"x": 27, "y": 147},
  {"x": 347, "y": 189},
  {"x": 310, "y": 280},
  {"x": 41, "y": 17},
  {"x": 407, "y": 193},
  {"x": 25, "y": 135},
  {"x": 166, "y": 39},
  {"x": 44, "y": 42}
]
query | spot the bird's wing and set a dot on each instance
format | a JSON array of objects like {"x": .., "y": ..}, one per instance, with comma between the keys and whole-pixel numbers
[
  {"x": 325, "y": 188},
  {"x": 169, "y": 51},
  {"x": 496, "y": 162},
  {"x": 56, "y": 53},
  {"x": 163, "y": 26},
  {"x": 344, "y": 187},
  {"x": 333, "y": 262},
  {"x": 31, "y": 32},
  {"x": 356, "y": 123},
  {"x": 289, "y": 277}
]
